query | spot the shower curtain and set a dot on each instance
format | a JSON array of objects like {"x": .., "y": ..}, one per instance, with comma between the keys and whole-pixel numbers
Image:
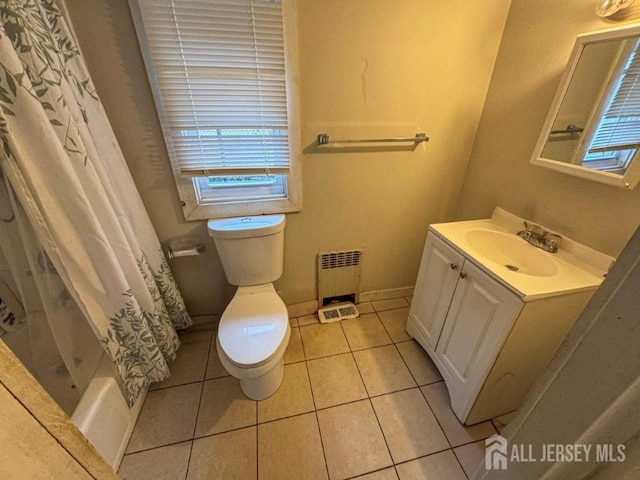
[
  {"x": 63, "y": 161},
  {"x": 47, "y": 330}
]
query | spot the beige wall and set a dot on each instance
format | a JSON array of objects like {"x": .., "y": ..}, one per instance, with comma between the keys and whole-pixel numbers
[
  {"x": 366, "y": 68},
  {"x": 536, "y": 44}
]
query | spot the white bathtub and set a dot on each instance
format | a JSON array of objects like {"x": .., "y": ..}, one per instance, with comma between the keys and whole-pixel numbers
[{"x": 103, "y": 417}]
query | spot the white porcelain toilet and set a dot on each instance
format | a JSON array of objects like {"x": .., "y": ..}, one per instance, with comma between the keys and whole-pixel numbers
[{"x": 254, "y": 329}]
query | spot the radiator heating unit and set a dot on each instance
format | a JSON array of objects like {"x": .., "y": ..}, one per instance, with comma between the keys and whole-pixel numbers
[{"x": 338, "y": 284}]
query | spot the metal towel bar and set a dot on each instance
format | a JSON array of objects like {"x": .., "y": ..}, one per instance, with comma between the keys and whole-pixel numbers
[
  {"x": 323, "y": 139},
  {"x": 571, "y": 128}
]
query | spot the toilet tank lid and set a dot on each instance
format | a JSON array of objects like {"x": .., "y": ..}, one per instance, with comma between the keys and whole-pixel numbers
[{"x": 243, "y": 227}]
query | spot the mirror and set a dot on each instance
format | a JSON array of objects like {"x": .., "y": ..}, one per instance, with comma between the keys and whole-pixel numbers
[{"x": 593, "y": 127}]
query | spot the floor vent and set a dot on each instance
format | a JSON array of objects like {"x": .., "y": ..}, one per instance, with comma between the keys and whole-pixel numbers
[
  {"x": 338, "y": 276},
  {"x": 335, "y": 313}
]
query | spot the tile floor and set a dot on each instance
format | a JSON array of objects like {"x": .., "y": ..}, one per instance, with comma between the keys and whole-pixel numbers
[{"x": 359, "y": 399}]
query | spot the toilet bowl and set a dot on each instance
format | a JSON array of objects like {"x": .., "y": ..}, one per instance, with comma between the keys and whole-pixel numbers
[
  {"x": 252, "y": 337},
  {"x": 254, "y": 330}
]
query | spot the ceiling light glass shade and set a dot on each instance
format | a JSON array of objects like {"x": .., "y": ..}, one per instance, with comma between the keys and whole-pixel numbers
[{"x": 605, "y": 8}]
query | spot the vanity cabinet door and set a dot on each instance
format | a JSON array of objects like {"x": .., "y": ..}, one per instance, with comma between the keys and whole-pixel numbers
[
  {"x": 437, "y": 279},
  {"x": 481, "y": 314}
]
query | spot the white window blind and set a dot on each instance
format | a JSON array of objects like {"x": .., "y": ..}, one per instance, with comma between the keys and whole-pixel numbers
[
  {"x": 619, "y": 129},
  {"x": 218, "y": 69}
]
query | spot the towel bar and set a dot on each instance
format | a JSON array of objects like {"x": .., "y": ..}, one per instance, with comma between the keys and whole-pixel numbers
[{"x": 323, "y": 139}]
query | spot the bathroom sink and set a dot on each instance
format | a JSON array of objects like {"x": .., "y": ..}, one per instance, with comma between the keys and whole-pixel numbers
[
  {"x": 512, "y": 252},
  {"x": 493, "y": 245}
]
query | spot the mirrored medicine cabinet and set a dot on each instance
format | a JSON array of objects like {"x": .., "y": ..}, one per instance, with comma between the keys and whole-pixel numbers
[{"x": 593, "y": 127}]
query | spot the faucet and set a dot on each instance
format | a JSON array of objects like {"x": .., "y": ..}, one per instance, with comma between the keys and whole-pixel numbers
[{"x": 538, "y": 237}]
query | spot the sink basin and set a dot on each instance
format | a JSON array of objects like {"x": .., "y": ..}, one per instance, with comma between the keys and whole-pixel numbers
[
  {"x": 512, "y": 252},
  {"x": 494, "y": 246}
]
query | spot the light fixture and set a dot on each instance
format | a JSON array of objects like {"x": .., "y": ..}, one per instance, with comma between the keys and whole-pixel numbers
[{"x": 606, "y": 8}]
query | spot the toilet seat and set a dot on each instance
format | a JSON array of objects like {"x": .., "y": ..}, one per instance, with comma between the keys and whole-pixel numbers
[{"x": 254, "y": 326}]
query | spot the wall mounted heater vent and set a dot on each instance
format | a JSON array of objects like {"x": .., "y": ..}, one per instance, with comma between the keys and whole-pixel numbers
[{"x": 338, "y": 276}]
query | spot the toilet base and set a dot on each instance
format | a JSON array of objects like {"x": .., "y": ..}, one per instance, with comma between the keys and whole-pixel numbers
[{"x": 264, "y": 386}]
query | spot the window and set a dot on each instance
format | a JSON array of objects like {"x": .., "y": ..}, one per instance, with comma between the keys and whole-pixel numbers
[
  {"x": 615, "y": 139},
  {"x": 221, "y": 77}
]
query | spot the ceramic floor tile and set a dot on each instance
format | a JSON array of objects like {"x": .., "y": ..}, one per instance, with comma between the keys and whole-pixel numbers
[
  {"x": 167, "y": 416},
  {"x": 502, "y": 421},
  {"x": 420, "y": 364},
  {"x": 322, "y": 340},
  {"x": 292, "y": 398},
  {"x": 395, "y": 322},
  {"x": 386, "y": 474},
  {"x": 291, "y": 448},
  {"x": 294, "y": 352},
  {"x": 409, "y": 426},
  {"x": 365, "y": 307},
  {"x": 380, "y": 305},
  {"x": 224, "y": 407},
  {"x": 214, "y": 367},
  {"x": 438, "y": 466},
  {"x": 470, "y": 456},
  {"x": 164, "y": 463},
  {"x": 383, "y": 370},
  {"x": 335, "y": 380},
  {"x": 308, "y": 320},
  {"x": 228, "y": 456},
  {"x": 457, "y": 434},
  {"x": 352, "y": 439},
  {"x": 188, "y": 367},
  {"x": 366, "y": 331},
  {"x": 293, "y": 322}
]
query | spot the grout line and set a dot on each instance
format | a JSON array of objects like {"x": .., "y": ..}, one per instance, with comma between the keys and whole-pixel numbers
[
  {"x": 235, "y": 429},
  {"x": 316, "y": 410},
  {"x": 362, "y": 475},
  {"x": 195, "y": 424},
  {"x": 495, "y": 426},
  {"x": 375, "y": 414},
  {"x": 160, "y": 446},
  {"x": 425, "y": 456},
  {"x": 384, "y": 437},
  {"x": 315, "y": 413},
  {"x": 436, "y": 417},
  {"x": 455, "y": 455}
]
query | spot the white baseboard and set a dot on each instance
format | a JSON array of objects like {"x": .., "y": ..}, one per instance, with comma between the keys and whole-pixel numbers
[
  {"x": 311, "y": 306},
  {"x": 386, "y": 294},
  {"x": 205, "y": 322}
]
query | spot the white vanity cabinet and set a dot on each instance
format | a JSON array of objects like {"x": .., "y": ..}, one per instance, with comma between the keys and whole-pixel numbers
[{"x": 487, "y": 341}]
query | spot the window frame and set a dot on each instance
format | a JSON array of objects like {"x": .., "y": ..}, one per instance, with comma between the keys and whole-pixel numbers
[
  {"x": 611, "y": 161},
  {"x": 194, "y": 205}
]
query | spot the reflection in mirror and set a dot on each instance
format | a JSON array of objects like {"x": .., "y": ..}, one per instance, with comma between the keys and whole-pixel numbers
[{"x": 593, "y": 128}]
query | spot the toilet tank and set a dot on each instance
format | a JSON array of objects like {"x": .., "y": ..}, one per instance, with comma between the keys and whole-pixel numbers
[{"x": 251, "y": 249}]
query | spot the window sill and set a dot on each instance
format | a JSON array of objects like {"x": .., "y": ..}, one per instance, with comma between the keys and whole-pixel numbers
[{"x": 240, "y": 209}]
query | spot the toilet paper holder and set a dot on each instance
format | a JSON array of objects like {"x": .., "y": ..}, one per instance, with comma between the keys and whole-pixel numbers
[{"x": 185, "y": 248}]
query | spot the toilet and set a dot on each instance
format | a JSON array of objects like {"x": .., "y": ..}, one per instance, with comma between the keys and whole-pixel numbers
[{"x": 254, "y": 329}]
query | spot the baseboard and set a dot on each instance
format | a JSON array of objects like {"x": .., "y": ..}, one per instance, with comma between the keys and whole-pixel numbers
[
  {"x": 204, "y": 322},
  {"x": 386, "y": 294},
  {"x": 311, "y": 306}
]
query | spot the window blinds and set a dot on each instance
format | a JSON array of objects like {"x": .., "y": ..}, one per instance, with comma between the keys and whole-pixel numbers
[
  {"x": 218, "y": 72},
  {"x": 619, "y": 128}
]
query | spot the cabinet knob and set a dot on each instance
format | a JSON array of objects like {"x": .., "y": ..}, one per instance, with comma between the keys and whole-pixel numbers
[
  {"x": 453, "y": 266},
  {"x": 463, "y": 275}
]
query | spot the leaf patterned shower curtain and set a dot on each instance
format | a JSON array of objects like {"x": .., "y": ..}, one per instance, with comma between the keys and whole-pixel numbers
[{"x": 64, "y": 163}]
